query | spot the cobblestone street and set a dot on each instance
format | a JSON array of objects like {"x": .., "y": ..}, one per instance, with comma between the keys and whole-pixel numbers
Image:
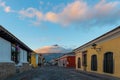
[{"x": 57, "y": 73}]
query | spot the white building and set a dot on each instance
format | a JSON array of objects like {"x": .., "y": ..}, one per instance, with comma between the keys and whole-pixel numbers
[{"x": 13, "y": 54}]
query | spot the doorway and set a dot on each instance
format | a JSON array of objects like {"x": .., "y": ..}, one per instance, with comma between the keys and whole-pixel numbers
[
  {"x": 94, "y": 62},
  {"x": 108, "y": 64},
  {"x": 79, "y": 63}
]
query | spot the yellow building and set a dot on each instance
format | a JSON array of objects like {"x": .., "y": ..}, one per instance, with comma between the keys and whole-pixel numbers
[
  {"x": 101, "y": 55},
  {"x": 34, "y": 60}
]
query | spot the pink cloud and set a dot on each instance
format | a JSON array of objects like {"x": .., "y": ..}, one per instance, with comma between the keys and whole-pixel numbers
[
  {"x": 5, "y": 7},
  {"x": 105, "y": 8},
  {"x": 72, "y": 12},
  {"x": 79, "y": 12},
  {"x": 52, "y": 17}
]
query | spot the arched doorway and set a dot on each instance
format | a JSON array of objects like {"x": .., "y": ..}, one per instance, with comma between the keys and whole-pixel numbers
[
  {"x": 108, "y": 64},
  {"x": 94, "y": 62},
  {"x": 79, "y": 63}
]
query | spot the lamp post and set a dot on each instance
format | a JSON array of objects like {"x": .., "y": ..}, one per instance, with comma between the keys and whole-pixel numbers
[{"x": 95, "y": 47}]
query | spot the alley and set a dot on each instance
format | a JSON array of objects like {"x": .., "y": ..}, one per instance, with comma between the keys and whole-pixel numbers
[{"x": 58, "y": 73}]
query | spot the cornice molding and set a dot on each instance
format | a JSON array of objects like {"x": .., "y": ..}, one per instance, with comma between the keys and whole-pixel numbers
[{"x": 105, "y": 37}]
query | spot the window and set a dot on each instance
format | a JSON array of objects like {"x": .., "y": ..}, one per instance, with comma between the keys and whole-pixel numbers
[
  {"x": 28, "y": 57},
  {"x": 13, "y": 53},
  {"x": 84, "y": 59},
  {"x": 108, "y": 64},
  {"x": 94, "y": 62},
  {"x": 79, "y": 63},
  {"x": 15, "y": 56}
]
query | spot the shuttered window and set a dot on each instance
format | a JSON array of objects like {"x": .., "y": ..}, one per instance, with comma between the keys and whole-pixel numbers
[
  {"x": 94, "y": 62},
  {"x": 79, "y": 63},
  {"x": 108, "y": 65}
]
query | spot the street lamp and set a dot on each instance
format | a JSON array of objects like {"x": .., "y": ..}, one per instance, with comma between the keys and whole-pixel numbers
[{"x": 94, "y": 46}]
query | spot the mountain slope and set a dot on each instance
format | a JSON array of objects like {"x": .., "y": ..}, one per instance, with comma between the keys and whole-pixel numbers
[{"x": 52, "y": 49}]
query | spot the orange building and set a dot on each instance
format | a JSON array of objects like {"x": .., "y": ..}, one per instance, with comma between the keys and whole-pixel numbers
[{"x": 67, "y": 60}]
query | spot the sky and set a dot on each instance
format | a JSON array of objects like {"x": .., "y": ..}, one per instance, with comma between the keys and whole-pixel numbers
[{"x": 68, "y": 23}]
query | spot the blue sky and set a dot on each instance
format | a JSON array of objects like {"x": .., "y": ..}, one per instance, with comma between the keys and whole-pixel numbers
[{"x": 68, "y": 23}]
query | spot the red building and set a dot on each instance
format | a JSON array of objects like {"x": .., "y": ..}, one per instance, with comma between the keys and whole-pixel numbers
[{"x": 67, "y": 60}]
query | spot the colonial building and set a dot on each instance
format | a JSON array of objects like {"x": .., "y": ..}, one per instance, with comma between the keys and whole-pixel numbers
[
  {"x": 54, "y": 62},
  {"x": 14, "y": 54},
  {"x": 101, "y": 55},
  {"x": 67, "y": 60},
  {"x": 34, "y": 60}
]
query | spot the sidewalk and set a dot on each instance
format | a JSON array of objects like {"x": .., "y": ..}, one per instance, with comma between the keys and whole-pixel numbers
[
  {"x": 97, "y": 75},
  {"x": 23, "y": 75}
]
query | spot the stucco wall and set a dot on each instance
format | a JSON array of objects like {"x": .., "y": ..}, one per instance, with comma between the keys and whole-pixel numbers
[
  {"x": 34, "y": 60},
  {"x": 112, "y": 45},
  {"x": 71, "y": 61},
  {"x": 78, "y": 55},
  {"x": 5, "y": 50}
]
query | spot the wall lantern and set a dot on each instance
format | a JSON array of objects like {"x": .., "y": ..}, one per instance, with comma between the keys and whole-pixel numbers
[{"x": 94, "y": 46}]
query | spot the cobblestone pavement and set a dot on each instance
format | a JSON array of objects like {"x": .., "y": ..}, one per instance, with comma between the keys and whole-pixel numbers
[{"x": 57, "y": 73}]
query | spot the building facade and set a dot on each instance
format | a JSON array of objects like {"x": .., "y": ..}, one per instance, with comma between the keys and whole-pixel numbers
[
  {"x": 100, "y": 55},
  {"x": 34, "y": 60},
  {"x": 15, "y": 55},
  {"x": 67, "y": 60},
  {"x": 41, "y": 60}
]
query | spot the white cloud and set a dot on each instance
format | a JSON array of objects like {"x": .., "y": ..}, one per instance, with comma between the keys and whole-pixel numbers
[
  {"x": 79, "y": 12},
  {"x": 32, "y": 13},
  {"x": 104, "y": 8},
  {"x": 73, "y": 12},
  {"x": 5, "y": 7}
]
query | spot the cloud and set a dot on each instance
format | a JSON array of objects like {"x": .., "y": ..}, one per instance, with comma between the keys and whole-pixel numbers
[
  {"x": 104, "y": 8},
  {"x": 5, "y": 7},
  {"x": 106, "y": 12},
  {"x": 79, "y": 12},
  {"x": 52, "y": 49},
  {"x": 70, "y": 13},
  {"x": 52, "y": 17},
  {"x": 31, "y": 13},
  {"x": 73, "y": 12}
]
